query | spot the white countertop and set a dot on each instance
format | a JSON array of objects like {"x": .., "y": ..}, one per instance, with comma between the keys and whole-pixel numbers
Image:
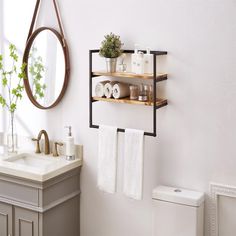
[{"x": 58, "y": 166}]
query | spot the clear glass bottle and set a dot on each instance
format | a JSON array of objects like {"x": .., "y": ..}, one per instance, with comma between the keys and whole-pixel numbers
[
  {"x": 134, "y": 92},
  {"x": 150, "y": 93},
  {"x": 143, "y": 93}
]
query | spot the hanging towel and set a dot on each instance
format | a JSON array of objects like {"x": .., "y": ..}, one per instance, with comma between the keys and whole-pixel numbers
[
  {"x": 1, "y": 138},
  {"x": 120, "y": 90},
  {"x": 108, "y": 89},
  {"x": 99, "y": 88},
  {"x": 107, "y": 158},
  {"x": 133, "y": 163}
]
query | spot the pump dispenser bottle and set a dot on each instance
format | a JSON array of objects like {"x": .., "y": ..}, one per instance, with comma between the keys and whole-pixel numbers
[
  {"x": 148, "y": 62},
  {"x": 134, "y": 58},
  {"x": 70, "y": 146}
]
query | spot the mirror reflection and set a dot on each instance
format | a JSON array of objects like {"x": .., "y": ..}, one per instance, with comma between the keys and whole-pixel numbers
[{"x": 46, "y": 68}]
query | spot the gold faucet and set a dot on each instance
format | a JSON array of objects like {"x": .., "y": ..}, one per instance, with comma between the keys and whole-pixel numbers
[
  {"x": 55, "y": 151},
  {"x": 46, "y": 145}
]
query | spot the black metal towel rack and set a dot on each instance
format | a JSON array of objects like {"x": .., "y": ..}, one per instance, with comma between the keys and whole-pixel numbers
[{"x": 155, "y": 80}]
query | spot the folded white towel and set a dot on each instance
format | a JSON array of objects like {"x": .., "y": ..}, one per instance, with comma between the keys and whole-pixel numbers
[
  {"x": 120, "y": 90},
  {"x": 108, "y": 89},
  {"x": 133, "y": 163},
  {"x": 99, "y": 88},
  {"x": 107, "y": 158}
]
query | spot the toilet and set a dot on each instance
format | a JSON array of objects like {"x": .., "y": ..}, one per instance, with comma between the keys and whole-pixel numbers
[{"x": 177, "y": 212}]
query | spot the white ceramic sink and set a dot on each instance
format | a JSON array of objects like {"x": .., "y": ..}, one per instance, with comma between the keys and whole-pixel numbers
[
  {"x": 31, "y": 160},
  {"x": 38, "y": 167}
]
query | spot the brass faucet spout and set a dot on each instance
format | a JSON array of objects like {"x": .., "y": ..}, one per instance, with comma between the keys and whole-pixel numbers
[{"x": 46, "y": 139}]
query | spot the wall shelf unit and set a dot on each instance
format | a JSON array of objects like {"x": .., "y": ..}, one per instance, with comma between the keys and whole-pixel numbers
[{"x": 156, "y": 104}]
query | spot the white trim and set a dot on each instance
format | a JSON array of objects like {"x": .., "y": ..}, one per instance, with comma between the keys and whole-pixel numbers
[{"x": 217, "y": 190}]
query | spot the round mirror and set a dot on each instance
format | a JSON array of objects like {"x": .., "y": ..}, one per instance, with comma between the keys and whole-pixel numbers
[{"x": 47, "y": 70}]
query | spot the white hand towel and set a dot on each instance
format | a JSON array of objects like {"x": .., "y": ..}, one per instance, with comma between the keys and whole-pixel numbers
[
  {"x": 120, "y": 90},
  {"x": 108, "y": 89},
  {"x": 1, "y": 138},
  {"x": 107, "y": 158},
  {"x": 133, "y": 163},
  {"x": 99, "y": 88}
]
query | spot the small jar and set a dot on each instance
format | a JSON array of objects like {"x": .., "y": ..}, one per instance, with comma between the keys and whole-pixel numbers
[
  {"x": 150, "y": 93},
  {"x": 133, "y": 92},
  {"x": 143, "y": 93}
]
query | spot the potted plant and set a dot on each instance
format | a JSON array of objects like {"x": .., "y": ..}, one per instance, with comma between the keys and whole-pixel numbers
[
  {"x": 11, "y": 78},
  {"x": 111, "y": 50}
]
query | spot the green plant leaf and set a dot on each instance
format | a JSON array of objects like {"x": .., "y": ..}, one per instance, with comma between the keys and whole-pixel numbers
[
  {"x": 2, "y": 101},
  {"x": 111, "y": 46}
]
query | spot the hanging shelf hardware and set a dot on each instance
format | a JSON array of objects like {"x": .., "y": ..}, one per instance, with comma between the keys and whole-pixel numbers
[{"x": 155, "y": 77}]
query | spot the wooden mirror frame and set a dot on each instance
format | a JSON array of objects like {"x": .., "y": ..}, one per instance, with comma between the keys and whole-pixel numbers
[{"x": 66, "y": 60}]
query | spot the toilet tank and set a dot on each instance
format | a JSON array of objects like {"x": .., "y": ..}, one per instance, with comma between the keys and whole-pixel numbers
[{"x": 177, "y": 212}]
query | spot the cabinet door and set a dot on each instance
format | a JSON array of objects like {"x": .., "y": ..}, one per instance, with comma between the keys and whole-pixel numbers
[
  {"x": 26, "y": 222},
  {"x": 5, "y": 219}
]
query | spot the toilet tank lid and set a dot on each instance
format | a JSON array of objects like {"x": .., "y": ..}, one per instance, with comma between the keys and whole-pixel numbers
[{"x": 178, "y": 195}]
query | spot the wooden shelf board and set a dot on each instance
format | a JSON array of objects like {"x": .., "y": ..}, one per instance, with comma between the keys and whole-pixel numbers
[
  {"x": 157, "y": 53},
  {"x": 159, "y": 103},
  {"x": 160, "y": 76}
]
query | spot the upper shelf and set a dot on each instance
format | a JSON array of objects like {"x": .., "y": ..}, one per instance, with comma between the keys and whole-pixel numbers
[
  {"x": 157, "y": 53},
  {"x": 159, "y": 77}
]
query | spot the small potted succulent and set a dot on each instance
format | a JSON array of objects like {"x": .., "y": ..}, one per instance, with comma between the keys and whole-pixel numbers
[{"x": 111, "y": 50}]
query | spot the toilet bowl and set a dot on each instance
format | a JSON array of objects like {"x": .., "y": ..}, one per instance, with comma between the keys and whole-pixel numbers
[{"x": 177, "y": 212}]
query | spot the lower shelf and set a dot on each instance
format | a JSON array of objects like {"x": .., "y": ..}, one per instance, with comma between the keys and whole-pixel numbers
[{"x": 159, "y": 103}]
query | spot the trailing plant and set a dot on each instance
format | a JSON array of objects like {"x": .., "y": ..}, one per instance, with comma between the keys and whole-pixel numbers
[
  {"x": 111, "y": 46},
  {"x": 12, "y": 83}
]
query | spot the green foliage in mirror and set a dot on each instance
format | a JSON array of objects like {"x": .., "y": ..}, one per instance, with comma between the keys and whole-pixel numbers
[{"x": 36, "y": 70}]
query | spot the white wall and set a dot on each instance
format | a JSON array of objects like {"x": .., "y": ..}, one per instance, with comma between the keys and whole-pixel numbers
[{"x": 196, "y": 132}]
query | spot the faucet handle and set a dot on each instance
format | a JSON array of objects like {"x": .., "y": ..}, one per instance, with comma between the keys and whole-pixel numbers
[
  {"x": 55, "y": 151},
  {"x": 37, "y": 145}
]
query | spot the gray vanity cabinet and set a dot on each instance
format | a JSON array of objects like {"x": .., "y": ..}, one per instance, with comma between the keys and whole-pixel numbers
[
  {"x": 26, "y": 222},
  {"x": 5, "y": 219},
  {"x": 31, "y": 208}
]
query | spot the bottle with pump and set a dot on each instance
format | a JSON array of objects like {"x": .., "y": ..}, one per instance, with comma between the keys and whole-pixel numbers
[
  {"x": 134, "y": 57},
  {"x": 140, "y": 63},
  {"x": 70, "y": 146},
  {"x": 148, "y": 62}
]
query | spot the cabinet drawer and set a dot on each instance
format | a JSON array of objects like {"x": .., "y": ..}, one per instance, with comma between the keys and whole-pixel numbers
[{"x": 19, "y": 193}]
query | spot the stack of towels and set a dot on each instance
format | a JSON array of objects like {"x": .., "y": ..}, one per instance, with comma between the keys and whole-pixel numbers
[
  {"x": 111, "y": 89},
  {"x": 133, "y": 161}
]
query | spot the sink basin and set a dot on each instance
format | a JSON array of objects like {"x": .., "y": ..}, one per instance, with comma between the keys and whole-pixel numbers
[
  {"x": 31, "y": 161},
  {"x": 36, "y": 167}
]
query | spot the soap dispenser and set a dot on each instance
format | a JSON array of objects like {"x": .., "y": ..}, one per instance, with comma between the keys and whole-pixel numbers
[
  {"x": 134, "y": 58},
  {"x": 148, "y": 62},
  {"x": 70, "y": 146},
  {"x": 140, "y": 63}
]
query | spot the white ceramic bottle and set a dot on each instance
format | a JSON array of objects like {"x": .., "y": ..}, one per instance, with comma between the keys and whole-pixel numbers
[
  {"x": 148, "y": 62},
  {"x": 134, "y": 57},
  {"x": 140, "y": 63},
  {"x": 70, "y": 145}
]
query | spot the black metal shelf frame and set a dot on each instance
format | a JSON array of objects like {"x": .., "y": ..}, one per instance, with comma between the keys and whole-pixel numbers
[{"x": 155, "y": 107}]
